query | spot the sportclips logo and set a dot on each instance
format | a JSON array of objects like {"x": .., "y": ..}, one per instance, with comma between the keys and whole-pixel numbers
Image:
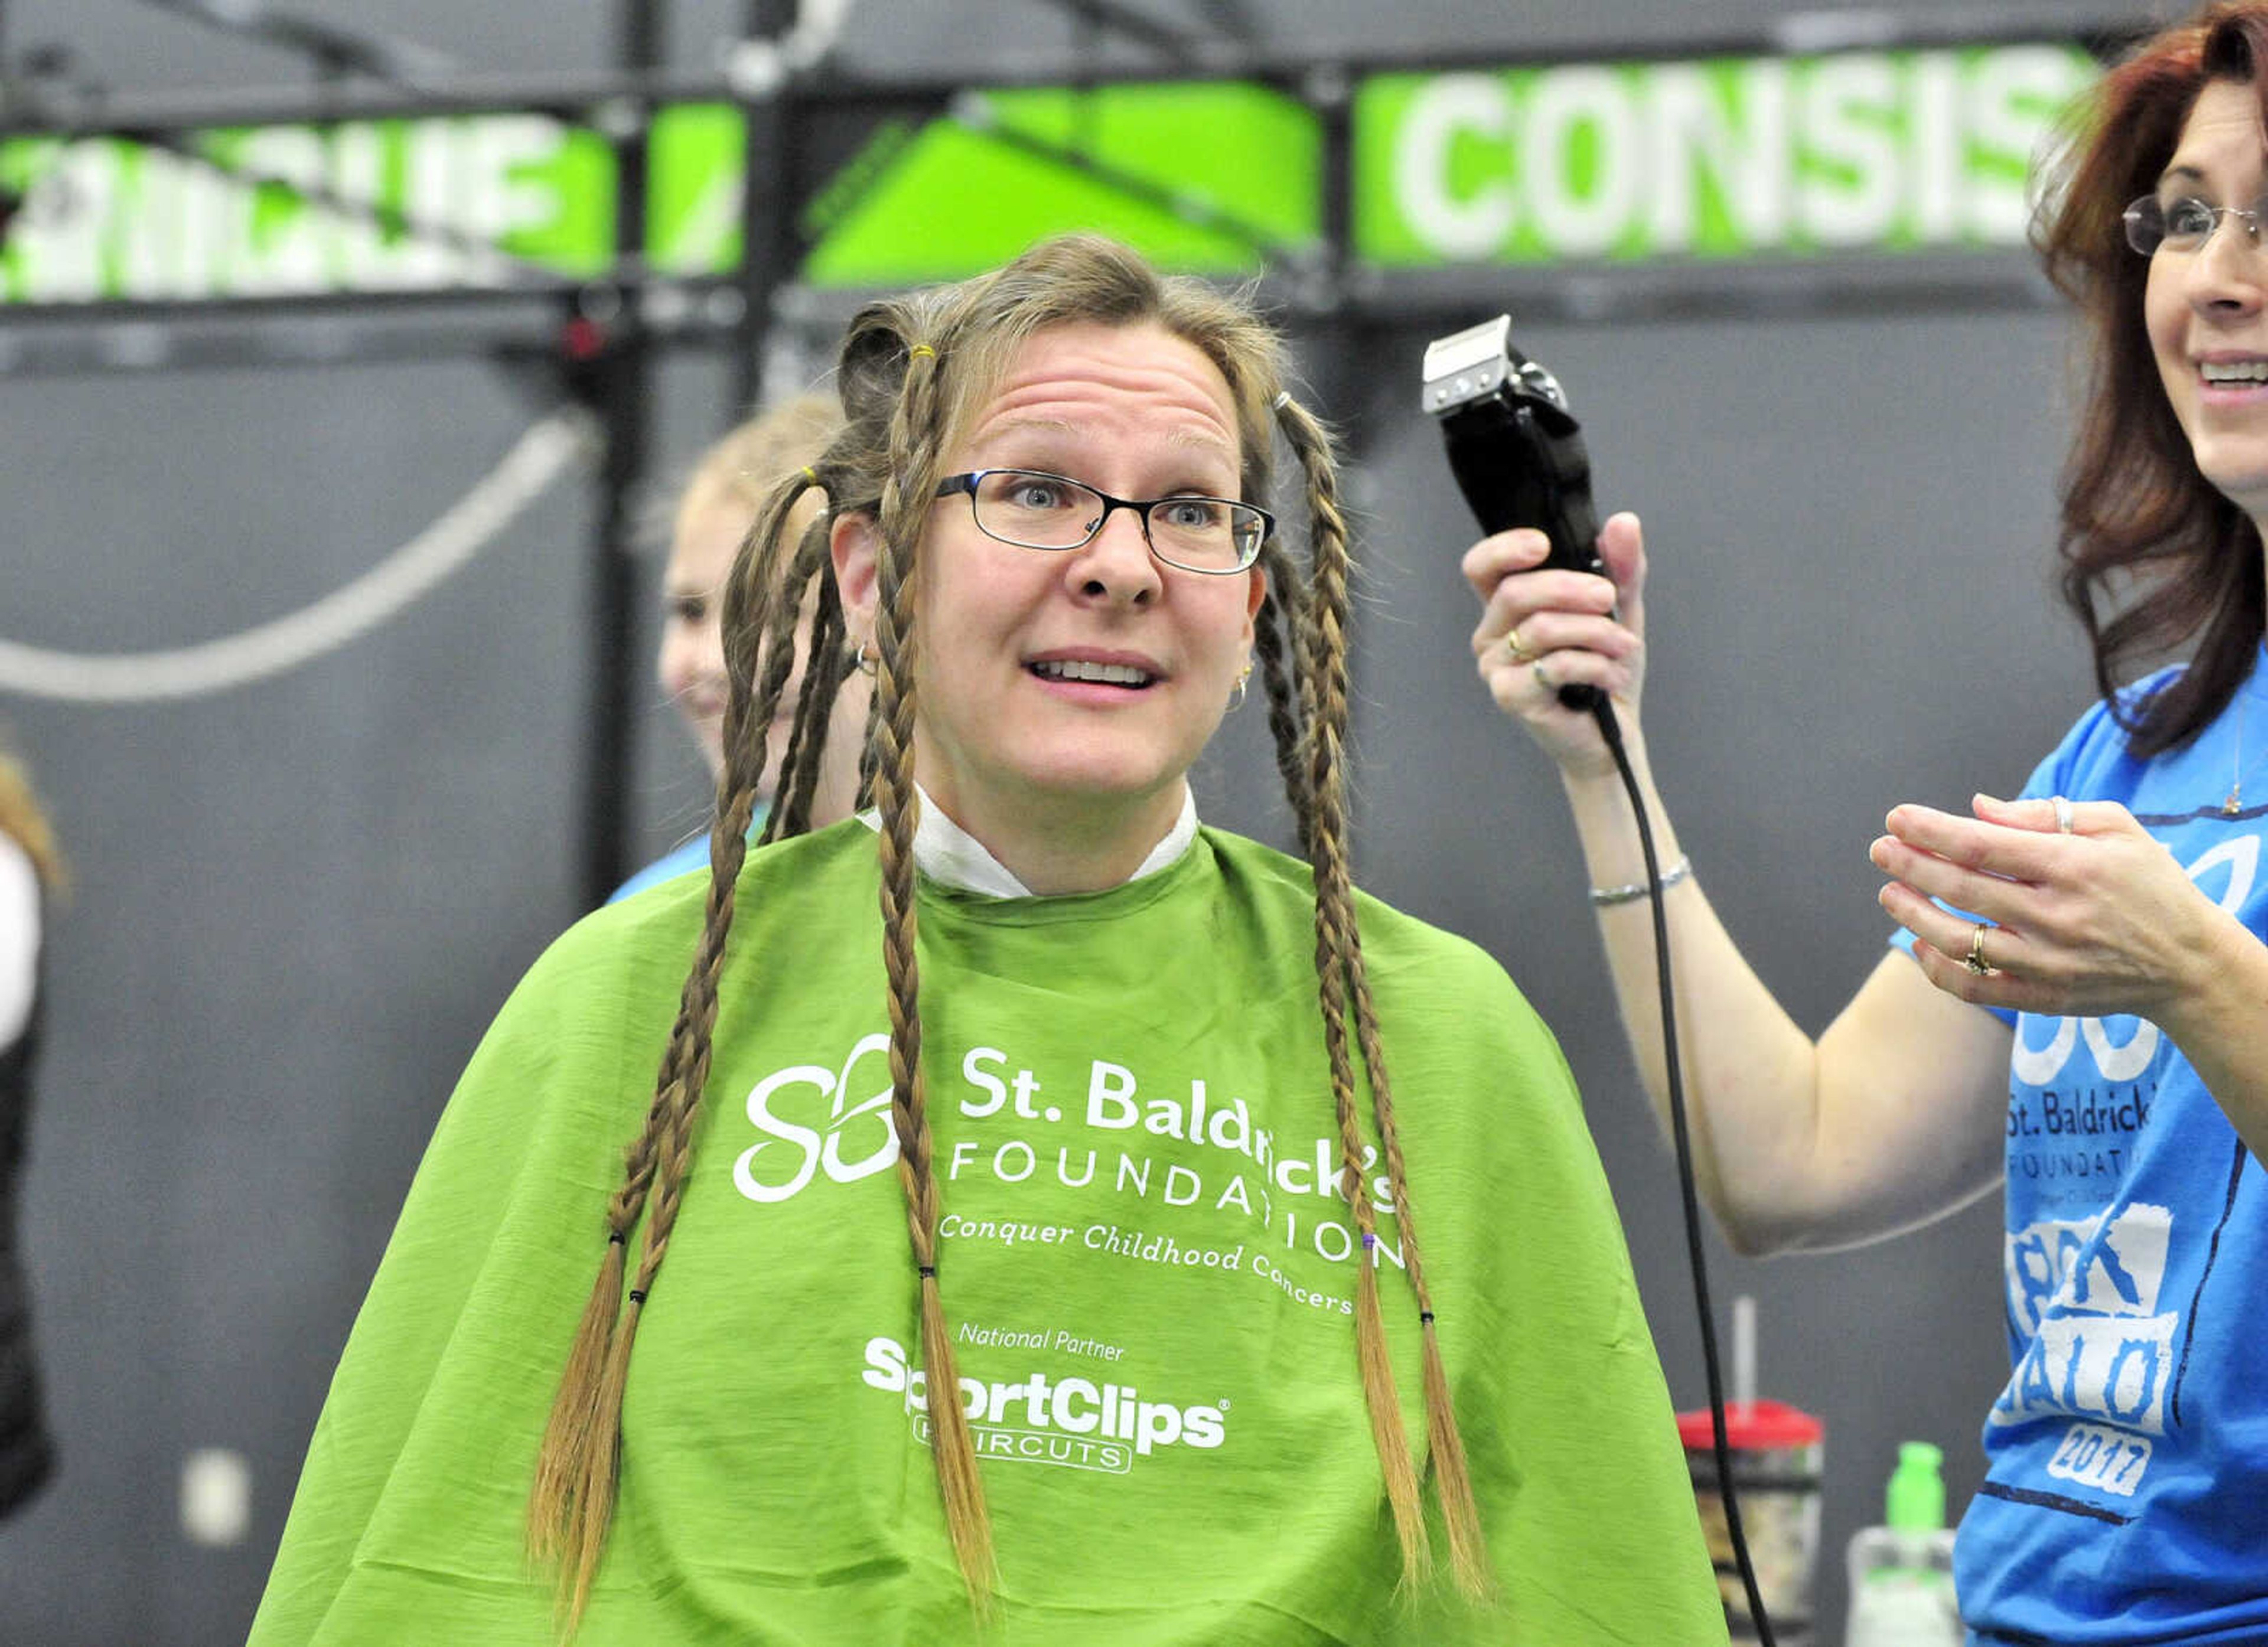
[{"x": 1072, "y": 1423}]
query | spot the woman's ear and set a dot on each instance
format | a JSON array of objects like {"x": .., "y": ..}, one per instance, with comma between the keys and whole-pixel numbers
[{"x": 854, "y": 543}]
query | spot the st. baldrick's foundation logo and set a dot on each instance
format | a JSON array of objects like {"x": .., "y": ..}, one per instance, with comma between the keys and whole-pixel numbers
[{"x": 857, "y": 1137}]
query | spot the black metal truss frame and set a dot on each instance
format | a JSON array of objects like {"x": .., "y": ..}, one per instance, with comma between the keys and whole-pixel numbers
[{"x": 774, "y": 96}]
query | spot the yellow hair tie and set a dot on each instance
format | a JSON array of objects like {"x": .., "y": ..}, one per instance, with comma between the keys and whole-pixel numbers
[
  {"x": 810, "y": 474},
  {"x": 919, "y": 350}
]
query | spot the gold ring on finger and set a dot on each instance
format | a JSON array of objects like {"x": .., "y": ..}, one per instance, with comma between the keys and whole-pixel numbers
[
  {"x": 1975, "y": 961},
  {"x": 1519, "y": 653}
]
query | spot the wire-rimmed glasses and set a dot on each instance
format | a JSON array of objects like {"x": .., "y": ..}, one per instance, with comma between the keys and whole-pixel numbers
[
  {"x": 2155, "y": 225},
  {"x": 1034, "y": 509}
]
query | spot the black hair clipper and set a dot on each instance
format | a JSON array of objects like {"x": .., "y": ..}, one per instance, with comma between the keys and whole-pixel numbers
[{"x": 1516, "y": 450}]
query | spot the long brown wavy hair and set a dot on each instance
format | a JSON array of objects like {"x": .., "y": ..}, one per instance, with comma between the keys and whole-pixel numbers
[
  {"x": 2154, "y": 555},
  {"x": 911, "y": 373}
]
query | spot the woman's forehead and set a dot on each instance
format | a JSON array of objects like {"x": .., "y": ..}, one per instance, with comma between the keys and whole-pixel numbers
[
  {"x": 1111, "y": 379},
  {"x": 2222, "y": 133}
]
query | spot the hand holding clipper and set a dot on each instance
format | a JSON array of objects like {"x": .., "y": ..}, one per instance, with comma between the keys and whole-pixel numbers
[{"x": 1516, "y": 450}]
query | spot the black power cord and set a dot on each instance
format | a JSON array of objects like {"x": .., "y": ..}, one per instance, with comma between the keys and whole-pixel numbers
[
  {"x": 1610, "y": 729},
  {"x": 1517, "y": 452}
]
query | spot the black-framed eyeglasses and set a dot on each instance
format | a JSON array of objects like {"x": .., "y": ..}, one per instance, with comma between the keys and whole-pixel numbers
[
  {"x": 2155, "y": 225},
  {"x": 1034, "y": 509}
]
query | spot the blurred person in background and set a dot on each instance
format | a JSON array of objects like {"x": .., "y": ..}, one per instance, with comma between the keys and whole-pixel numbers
[
  {"x": 29, "y": 870},
  {"x": 712, "y": 515}
]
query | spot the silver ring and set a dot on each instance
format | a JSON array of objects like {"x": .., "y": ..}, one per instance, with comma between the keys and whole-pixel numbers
[
  {"x": 2062, "y": 814},
  {"x": 1543, "y": 679}
]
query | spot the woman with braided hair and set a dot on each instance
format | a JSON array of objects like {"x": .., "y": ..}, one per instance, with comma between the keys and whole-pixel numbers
[
  {"x": 711, "y": 518},
  {"x": 1050, "y": 1269}
]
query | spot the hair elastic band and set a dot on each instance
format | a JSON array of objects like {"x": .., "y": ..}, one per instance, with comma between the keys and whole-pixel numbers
[
  {"x": 1369, "y": 1241},
  {"x": 920, "y": 350},
  {"x": 637, "y": 1295},
  {"x": 616, "y": 1237},
  {"x": 929, "y": 1272},
  {"x": 1426, "y": 1317},
  {"x": 1283, "y": 399},
  {"x": 810, "y": 474}
]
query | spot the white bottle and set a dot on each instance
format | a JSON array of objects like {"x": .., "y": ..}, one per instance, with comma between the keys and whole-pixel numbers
[{"x": 1902, "y": 1572}]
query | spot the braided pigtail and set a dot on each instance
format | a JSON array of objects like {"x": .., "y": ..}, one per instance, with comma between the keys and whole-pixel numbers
[
  {"x": 570, "y": 1505},
  {"x": 825, "y": 667},
  {"x": 1279, "y": 621},
  {"x": 1469, "y": 1556},
  {"x": 1324, "y": 697},
  {"x": 864, "y": 796},
  {"x": 906, "y": 495},
  {"x": 1339, "y": 955}
]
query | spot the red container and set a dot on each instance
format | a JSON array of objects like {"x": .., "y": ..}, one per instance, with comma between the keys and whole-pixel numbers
[{"x": 1777, "y": 1451}]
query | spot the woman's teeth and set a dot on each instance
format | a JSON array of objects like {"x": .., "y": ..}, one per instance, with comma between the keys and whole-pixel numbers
[{"x": 1109, "y": 674}]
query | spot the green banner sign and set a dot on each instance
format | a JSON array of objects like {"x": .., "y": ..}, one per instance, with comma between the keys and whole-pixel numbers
[
  {"x": 1726, "y": 158},
  {"x": 439, "y": 205},
  {"x": 1733, "y": 158},
  {"x": 1200, "y": 177}
]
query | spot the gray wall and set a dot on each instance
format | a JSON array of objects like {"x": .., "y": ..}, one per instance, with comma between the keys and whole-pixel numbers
[{"x": 299, "y": 902}]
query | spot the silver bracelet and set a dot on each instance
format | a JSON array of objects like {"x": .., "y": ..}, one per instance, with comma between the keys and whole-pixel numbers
[{"x": 1602, "y": 896}]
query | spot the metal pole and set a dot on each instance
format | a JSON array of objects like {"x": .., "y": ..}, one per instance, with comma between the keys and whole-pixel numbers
[
  {"x": 622, "y": 382},
  {"x": 1341, "y": 368},
  {"x": 771, "y": 188}
]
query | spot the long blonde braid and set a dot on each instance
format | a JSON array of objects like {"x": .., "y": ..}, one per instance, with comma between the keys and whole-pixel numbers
[
  {"x": 571, "y": 1503},
  {"x": 905, "y": 505},
  {"x": 825, "y": 666},
  {"x": 1342, "y": 972},
  {"x": 1273, "y": 632},
  {"x": 1322, "y": 679}
]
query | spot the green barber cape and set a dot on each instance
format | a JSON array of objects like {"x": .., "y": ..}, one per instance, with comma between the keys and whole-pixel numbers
[{"x": 1148, "y": 1271}]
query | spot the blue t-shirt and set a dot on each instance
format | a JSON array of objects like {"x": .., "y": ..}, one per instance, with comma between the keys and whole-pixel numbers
[
  {"x": 2126, "y": 1497},
  {"x": 682, "y": 859}
]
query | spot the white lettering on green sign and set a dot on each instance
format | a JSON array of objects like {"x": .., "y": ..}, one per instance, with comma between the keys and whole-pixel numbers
[
  {"x": 1732, "y": 157},
  {"x": 402, "y": 205}
]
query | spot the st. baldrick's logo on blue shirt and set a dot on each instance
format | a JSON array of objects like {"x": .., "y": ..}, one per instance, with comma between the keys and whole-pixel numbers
[{"x": 2099, "y": 1227}]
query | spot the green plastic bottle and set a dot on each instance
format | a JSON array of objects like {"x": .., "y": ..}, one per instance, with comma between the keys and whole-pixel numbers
[{"x": 1902, "y": 1572}]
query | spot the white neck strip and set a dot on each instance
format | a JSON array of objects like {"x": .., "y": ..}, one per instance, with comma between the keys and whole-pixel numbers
[{"x": 952, "y": 857}]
